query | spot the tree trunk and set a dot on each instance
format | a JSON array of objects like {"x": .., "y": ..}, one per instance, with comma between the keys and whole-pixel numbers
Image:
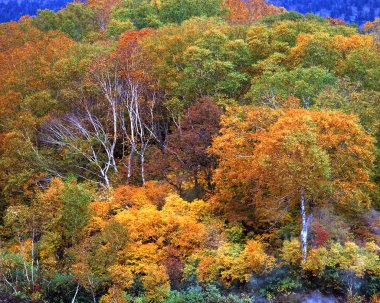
[
  {"x": 92, "y": 289},
  {"x": 130, "y": 159},
  {"x": 143, "y": 167},
  {"x": 76, "y": 293},
  {"x": 306, "y": 220},
  {"x": 106, "y": 180},
  {"x": 32, "y": 264}
]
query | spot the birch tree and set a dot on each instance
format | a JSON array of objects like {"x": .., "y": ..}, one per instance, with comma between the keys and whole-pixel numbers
[
  {"x": 301, "y": 160},
  {"x": 120, "y": 120},
  {"x": 85, "y": 136}
]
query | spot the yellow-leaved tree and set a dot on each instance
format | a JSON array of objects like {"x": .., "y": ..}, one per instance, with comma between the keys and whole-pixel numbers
[{"x": 302, "y": 160}]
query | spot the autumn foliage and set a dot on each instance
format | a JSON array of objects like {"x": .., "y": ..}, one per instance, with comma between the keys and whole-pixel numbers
[
  {"x": 250, "y": 11},
  {"x": 188, "y": 151}
]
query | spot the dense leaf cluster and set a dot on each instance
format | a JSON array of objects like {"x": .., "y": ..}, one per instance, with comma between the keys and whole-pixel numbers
[{"x": 188, "y": 151}]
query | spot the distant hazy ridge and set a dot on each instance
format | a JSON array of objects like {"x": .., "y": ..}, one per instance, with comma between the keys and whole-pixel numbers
[{"x": 358, "y": 11}]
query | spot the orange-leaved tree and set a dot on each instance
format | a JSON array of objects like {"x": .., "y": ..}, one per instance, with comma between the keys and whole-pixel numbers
[
  {"x": 303, "y": 159},
  {"x": 250, "y": 11}
]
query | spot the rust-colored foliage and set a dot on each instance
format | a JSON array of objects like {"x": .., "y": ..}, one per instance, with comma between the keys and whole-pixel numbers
[
  {"x": 320, "y": 235},
  {"x": 336, "y": 21},
  {"x": 266, "y": 152},
  {"x": 250, "y": 11},
  {"x": 373, "y": 27},
  {"x": 185, "y": 157},
  {"x": 29, "y": 67},
  {"x": 129, "y": 56},
  {"x": 103, "y": 8}
]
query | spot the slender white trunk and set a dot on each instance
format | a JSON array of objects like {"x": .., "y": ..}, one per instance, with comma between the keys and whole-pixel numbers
[
  {"x": 10, "y": 284},
  {"x": 306, "y": 220},
  {"x": 143, "y": 168},
  {"x": 32, "y": 271},
  {"x": 113, "y": 145},
  {"x": 92, "y": 289},
  {"x": 130, "y": 158},
  {"x": 106, "y": 180},
  {"x": 76, "y": 293},
  {"x": 26, "y": 270}
]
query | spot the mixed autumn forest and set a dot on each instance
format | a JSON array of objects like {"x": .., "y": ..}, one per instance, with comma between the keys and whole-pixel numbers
[{"x": 189, "y": 151}]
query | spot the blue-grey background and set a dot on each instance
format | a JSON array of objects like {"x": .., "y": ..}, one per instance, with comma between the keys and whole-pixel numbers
[
  {"x": 12, "y": 10},
  {"x": 357, "y": 11}
]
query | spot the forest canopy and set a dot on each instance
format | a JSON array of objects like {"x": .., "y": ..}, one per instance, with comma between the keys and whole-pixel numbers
[{"x": 188, "y": 151}]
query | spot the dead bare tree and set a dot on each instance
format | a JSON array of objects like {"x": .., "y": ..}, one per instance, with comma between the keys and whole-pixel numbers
[
  {"x": 141, "y": 117},
  {"x": 133, "y": 112},
  {"x": 125, "y": 121},
  {"x": 87, "y": 136}
]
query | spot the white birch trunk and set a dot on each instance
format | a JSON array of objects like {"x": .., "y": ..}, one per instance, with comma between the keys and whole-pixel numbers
[
  {"x": 306, "y": 220},
  {"x": 76, "y": 293}
]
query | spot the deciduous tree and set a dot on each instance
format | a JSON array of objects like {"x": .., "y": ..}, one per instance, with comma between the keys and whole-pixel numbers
[{"x": 302, "y": 160}]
